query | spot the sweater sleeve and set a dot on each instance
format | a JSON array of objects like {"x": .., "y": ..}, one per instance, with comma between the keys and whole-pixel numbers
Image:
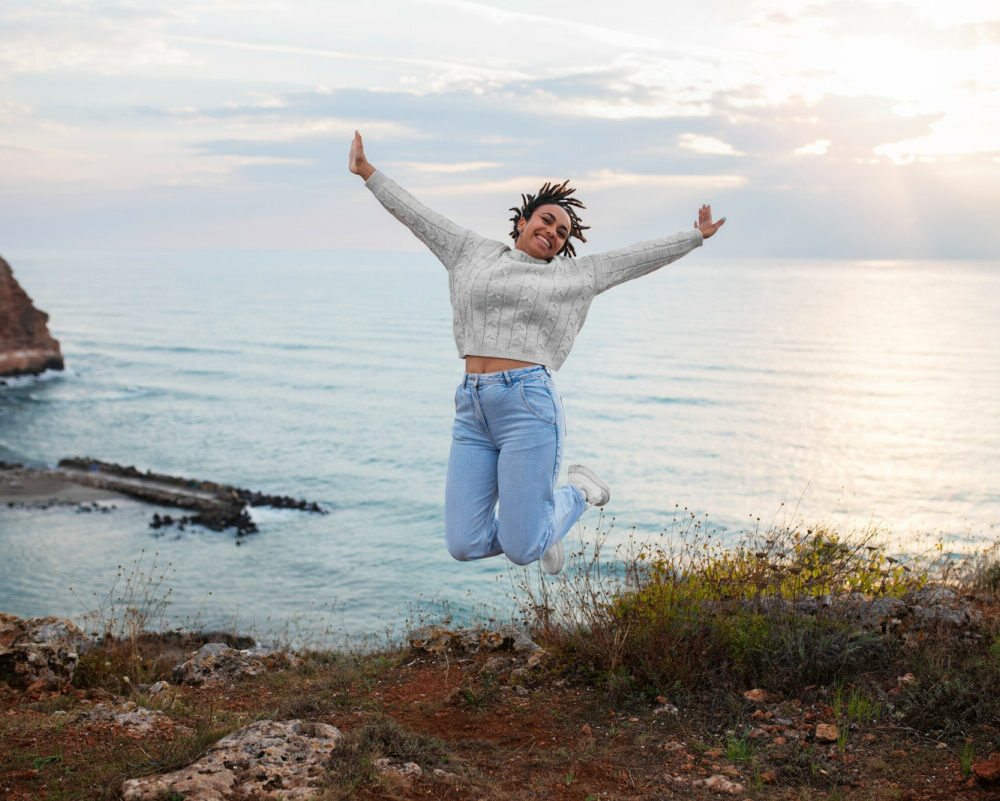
[
  {"x": 444, "y": 238},
  {"x": 618, "y": 266}
]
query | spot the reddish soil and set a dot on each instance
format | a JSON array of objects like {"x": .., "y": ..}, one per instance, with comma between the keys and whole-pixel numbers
[{"x": 542, "y": 737}]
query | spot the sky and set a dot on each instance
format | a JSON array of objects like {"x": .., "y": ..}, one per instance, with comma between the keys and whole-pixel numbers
[{"x": 821, "y": 129}]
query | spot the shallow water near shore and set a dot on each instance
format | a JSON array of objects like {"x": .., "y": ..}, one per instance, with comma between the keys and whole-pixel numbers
[{"x": 852, "y": 393}]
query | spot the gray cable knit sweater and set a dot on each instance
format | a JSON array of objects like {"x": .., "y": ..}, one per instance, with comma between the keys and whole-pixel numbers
[{"x": 507, "y": 304}]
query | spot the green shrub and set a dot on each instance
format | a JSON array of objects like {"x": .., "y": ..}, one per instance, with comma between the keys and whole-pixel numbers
[{"x": 691, "y": 611}]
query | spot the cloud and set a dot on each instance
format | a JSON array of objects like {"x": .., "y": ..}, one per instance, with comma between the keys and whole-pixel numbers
[
  {"x": 818, "y": 148},
  {"x": 444, "y": 169},
  {"x": 592, "y": 180},
  {"x": 10, "y": 111},
  {"x": 107, "y": 38},
  {"x": 709, "y": 145},
  {"x": 566, "y": 26}
]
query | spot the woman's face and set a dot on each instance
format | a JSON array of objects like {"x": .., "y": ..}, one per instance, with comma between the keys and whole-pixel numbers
[{"x": 544, "y": 233}]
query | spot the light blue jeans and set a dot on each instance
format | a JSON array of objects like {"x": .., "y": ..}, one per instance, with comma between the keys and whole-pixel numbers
[{"x": 506, "y": 451}]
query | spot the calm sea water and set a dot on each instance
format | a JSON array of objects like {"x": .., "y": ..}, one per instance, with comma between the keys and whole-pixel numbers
[{"x": 838, "y": 392}]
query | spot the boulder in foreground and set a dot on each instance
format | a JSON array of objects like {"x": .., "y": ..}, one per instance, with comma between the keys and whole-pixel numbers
[
  {"x": 39, "y": 651},
  {"x": 267, "y": 759}
]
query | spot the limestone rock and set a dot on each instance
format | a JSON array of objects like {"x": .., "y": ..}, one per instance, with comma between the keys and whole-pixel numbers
[
  {"x": 267, "y": 759},
  {"x": 37, "y": 650},
  {"x": 407, "y": 771},
  {"x": 26, "y": 346},
  {"x": 438, "y": 639},
  {"x": 216, "y": 663},
  {"x": 138, "y": 720}
]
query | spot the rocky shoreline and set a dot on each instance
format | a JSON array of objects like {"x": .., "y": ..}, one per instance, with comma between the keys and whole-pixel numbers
[{"x": 80, "y": 480}]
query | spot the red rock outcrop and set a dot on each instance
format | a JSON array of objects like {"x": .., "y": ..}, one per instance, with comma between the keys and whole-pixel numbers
[{"x": 26, "y": 346}]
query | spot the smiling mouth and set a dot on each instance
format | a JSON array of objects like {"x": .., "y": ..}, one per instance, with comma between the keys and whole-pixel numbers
[{"x": 545, "y": 242}]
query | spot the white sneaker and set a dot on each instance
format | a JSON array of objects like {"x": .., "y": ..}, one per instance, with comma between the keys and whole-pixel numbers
[
  {"x": 554, "y": 558},
  {"x": 594, "y": 490}
]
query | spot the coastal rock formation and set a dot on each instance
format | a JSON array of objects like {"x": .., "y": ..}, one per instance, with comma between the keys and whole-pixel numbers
[
  {"x": 438, "y": 639},
  {"x": 26, "y": 346},
  {"x": 216, "y": 663},
  {"x": 39, "y": 651},
  {"x": 267, "y": 759}
]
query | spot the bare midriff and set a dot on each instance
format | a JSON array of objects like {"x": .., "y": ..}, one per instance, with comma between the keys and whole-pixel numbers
[{"x": 488, "y": 364}]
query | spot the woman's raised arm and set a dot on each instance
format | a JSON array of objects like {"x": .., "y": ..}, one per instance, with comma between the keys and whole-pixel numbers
[
  {"x": 445, "y": 239},
  {"x": 617, "y": 266},
  {"x": 357, "y": 163}
]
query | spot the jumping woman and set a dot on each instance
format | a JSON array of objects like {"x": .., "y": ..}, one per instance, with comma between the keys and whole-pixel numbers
[{"x": 516, "y": 314}]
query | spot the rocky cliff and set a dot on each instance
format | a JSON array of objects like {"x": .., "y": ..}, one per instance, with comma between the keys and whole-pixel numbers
[{"x": 26, "y": 346}]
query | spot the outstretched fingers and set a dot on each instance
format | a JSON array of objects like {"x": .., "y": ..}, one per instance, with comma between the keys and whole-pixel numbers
[
  {"x": 357, "y": 163},
  {"x": 357, "y": 157},
  {"x": 704, "y": 222}
]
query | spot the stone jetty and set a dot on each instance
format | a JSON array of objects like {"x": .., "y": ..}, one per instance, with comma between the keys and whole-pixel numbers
[
  {"x": 216, "y": 506},
  {"x": 26, "y": 346}
]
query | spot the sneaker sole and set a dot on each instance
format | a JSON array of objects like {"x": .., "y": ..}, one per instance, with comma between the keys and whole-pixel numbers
[{"x": 588, "y": 474}]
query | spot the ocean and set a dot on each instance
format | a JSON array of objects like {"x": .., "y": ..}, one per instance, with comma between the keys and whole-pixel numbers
[{"x": 744, "y": 393}]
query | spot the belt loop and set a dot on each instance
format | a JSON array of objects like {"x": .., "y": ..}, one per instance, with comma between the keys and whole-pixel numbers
[{"x": 506, "y": 378}]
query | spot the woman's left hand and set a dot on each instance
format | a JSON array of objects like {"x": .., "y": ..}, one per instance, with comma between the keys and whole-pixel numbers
[{"x": 705, "y": 224}]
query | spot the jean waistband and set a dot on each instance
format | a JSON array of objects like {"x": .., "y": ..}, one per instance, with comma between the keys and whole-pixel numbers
[{"x": 507, "y": 377}]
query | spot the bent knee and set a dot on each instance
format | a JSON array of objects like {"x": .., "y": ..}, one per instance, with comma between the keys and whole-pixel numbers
[
  {"x": 459, "y": 550},
  {"x": 524, "y": 555}
]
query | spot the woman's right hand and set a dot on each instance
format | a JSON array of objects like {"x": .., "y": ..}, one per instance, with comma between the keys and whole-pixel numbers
[{"x": 357, "y": 163}]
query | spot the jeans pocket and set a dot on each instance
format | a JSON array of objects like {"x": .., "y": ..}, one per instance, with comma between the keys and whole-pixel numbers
[{"x": 537, "y": 397}]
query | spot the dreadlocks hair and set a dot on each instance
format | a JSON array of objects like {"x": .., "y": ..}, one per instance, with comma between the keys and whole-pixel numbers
[{"x": 559, "y": 195}]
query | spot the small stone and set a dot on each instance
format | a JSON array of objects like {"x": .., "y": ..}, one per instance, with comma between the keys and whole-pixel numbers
[
  {"x": 720, "y": 784},
  {"x": 437, "y": 773},
  {"x": 493, "y": 665},
  {"x": 907, "y": 678},
  {"x": 587, "y": 731},
  {"x": 988, "y": 770},
  {"x": 769, "y": 776},
  {"x": 407, "y": 771},
  {"x": 757, "y": 696},
  {"x": 537, "y": 658},
  {"x": 713, "y": 753},
  {"x": 826, "y": 733},
  {"x": 780, "y": 741}
]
